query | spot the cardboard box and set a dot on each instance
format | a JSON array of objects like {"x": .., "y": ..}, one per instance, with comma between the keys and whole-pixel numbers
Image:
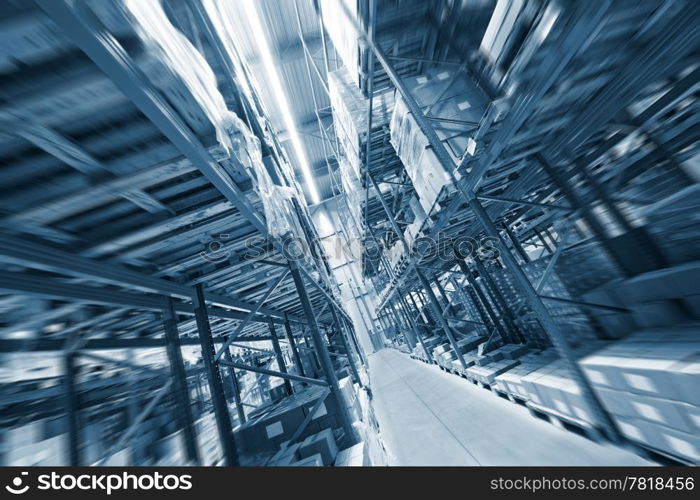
[
  {"x": 355, "y": 456},
  {"x": 487, "y": 374},
  {"x": 286, "y": 455},
  {"x": 312, "y": 461},
  {"x": 323, "y": 444},
  {"x": 267, "y": 431},
  {"x": 658, "y": 362},
  {"x": 670, "y": 441},
  {"x": 674, "y": 414}
]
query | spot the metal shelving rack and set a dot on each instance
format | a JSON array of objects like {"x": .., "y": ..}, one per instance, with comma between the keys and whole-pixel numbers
[{"x": 543, "y": 170}]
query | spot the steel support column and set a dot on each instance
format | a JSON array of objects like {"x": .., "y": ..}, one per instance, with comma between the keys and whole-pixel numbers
[
  {"x": 549, "y": 325},
  {"x": 72, "y": 404},
  {"x": 591, "y": 220},
  {"x": 235, "y": 387},
  {"x": 346, "y": 347},
  {"x": 516, "y": 244},
  {"x": 280, "y": 358},
  {"x": 322, "y": 351},
  {"x": 293, "y": 347},
  {"x": 414, "y": 327},
  {"x": 443, "y": 294},
  {"x": 400, "y": 325},
  {"x": 500, "y": 301},
  {"x": 216, "y": 385},
  {"x": 485, "y": 319},
  {"x": 485, "y": 304},
  {"x": 353, "y": 336},
  {"x": 437, "y": 312},
  {"x": 181, "y": 392},
  {"x": 420, "y": 311},
  {"x": 404, "y": 325}
]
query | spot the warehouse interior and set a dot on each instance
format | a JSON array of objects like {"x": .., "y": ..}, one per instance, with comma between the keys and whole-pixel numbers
[{"x": 349, "y": 232}]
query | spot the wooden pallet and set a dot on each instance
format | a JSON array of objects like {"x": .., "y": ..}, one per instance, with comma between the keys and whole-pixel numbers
[{"x": 562, "y": 421}]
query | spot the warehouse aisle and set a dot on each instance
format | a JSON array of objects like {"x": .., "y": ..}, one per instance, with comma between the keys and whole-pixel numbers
[{"x": 429, "y": 417}]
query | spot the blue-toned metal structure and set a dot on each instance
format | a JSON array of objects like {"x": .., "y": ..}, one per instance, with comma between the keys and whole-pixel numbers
[{"x": 520, "y": 175}]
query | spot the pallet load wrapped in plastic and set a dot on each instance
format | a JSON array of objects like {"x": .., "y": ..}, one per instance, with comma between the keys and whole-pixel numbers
[
  {"x": 367, "y": 430},
  {"x": 173, "y": 63},
  {"x": 342, "y": 33},
  {"x": 649, "y": 384},
  {"x": 349, "y": 109},
  {"x": 176, "y": 59}
]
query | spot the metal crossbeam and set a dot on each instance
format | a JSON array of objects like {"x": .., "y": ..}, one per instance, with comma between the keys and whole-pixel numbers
[
  {"x": 56, "y": 260},
  {"x": 250, "y": 316},
  {"x": 75, "y": 156},
  {"x": 106, "y": 52},
  {"x": 273, "y": 373}
]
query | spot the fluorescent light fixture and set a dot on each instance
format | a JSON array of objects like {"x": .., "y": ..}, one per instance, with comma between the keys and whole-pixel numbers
[{"x": 251, "y": 12}]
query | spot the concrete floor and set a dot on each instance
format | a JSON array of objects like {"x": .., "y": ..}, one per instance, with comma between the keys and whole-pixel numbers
[{"x": 430, "y": 417}]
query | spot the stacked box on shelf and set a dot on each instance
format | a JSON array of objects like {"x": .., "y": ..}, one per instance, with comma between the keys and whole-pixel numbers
[
  {"x": 323, "y": 444},
  {"x": 487, "y": 373},
  {"x": 657, "y": 298},
  {"x": 614, "y": 324},
  {"x": 553, "y": 390},
  {"x": 511, "y": 381},
  {"x": 487, "y": 367},
  {"x": 584, "y": 268},
  {"x": 467, "y": 346},
  {"x": 662, "y": 297},
  {"x": 319, "y": 449},
  {"x": 469, "y": 360},
  {"x": 430, "y": 344},
  {"x": 674, "y": 222},
  {"x": 419, "y": 219},
  {"x": 349, "y": 391},
  {"x": 349, "y": 109},
  {"x": 450, "y": 96},
  {"x": 648, "y": 382},
  {"x": 422, "y": 166},
  {"x": 277, "y": 423},
  {"x": 443, "y": 355}
]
